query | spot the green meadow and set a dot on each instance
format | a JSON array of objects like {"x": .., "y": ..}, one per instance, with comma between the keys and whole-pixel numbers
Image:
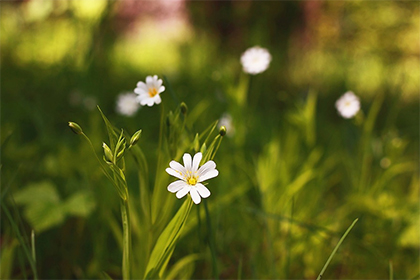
[{"x": 282, "y": 179}]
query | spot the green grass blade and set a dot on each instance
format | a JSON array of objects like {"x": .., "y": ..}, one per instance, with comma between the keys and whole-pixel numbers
[
  {"x": 335, "y": 249},
  {"x": 166, "y": 242},
  {"x": 113, "y": 135},
  {"x": 21, "y": 241},
  {"x": 391, "y": 271},
  {"x": 211, "y": 243},
  {"x": 126, "y": 262},
  {"x": 33, "y": 246}
]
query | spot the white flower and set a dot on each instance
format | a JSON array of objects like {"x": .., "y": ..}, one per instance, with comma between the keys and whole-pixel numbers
[
  {"x": 226, "y": 121},
  {"x": 191, "y": 177},
  {"x": 255, "y": 60},
  {"x": 148, "y": 93},
  {"x": 348, "y": 105},
  {"x": 127, "y": 104}
]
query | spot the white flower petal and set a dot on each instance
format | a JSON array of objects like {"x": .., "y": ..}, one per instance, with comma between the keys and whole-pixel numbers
[
  {"x": 140, "y": 90},
  {"x": 158, "y": 82},
  {"x": 181, "y": 193},
  {"x": 177, "y": 167},
  {"x": 210, "y": 165},
  {"x": 196, "y": 161},
  {"x": 195, "y": 196},
  {"x": 150, "y": 102},
  {"x": 161, "y": 89},
  {"x": 174, "y": 173},
  {"x": 144, "y": 101},
  {"x": 149, "y": 81},
  {"x": 142, "y": 85},
  {"x": 157, "y": 99},
  {"x": 202, "y": 190},
  {"x": 176, "y": 186},
  {"x": 187, "y": 161},
  {"x": 208, "y": 175}
]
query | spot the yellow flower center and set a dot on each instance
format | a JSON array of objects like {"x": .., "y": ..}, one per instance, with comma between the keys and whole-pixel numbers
[
  {"x": 152, "y": 91},
  {"x": 192, "y": 181}
]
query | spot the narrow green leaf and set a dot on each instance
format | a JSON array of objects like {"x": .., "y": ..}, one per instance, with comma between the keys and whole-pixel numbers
[
  {"x": 112, "y": 134},
  {"x": 166, "y": 242},
  {"x": 180, "y": 266},
  {"x": 335, "y": 249}
]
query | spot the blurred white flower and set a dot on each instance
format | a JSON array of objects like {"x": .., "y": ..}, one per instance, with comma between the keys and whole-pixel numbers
[
  {"x": 148, "y": 93},
  {"x": 191, "y": 177},
  {"x": 127, "y": 104},
  {"x": 348, "y": 105},
  {"x": 255, "y": 60},
  {"x": 90, "y": 103},
  {"x": 226, "y": 121}
]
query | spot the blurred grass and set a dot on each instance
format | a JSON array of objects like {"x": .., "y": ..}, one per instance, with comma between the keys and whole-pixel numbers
[{"x": 293, "y": 176}]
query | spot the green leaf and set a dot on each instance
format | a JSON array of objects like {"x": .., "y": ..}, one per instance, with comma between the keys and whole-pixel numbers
[
  {"x": 7, "y": 259},
  {"x": 43, "y": 191},
  {"x": 113, "y": 132},
  {"x": 166, "y": 242},
  {"x": 80, "y": 204},
  {"x": 43, "y": 208},
  {"x": 178, "y": 269}
]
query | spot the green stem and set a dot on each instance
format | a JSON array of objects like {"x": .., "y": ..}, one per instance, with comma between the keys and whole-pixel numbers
[
  {"x": 126, "y": 261},
  {"x": 211, "y": 243},
  {"x": 335, "y": 249},
  {"x": 33, "y": 246},
  {"x": 22, "y": 242}
]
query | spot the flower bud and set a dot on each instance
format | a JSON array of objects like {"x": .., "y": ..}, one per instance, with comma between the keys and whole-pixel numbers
[
  {"x": 75, "y": 128},
  {"x": 135, "y": 138},
  {"x": 222, "y": 131},
  {"x": 120, "y": 147},
  {"x": 184, "y": 108},
  {"x": 108, "y": 157}
]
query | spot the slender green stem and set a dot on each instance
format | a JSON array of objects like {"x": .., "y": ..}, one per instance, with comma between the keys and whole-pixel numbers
[
  {"x": 94, "y": 152},
  {"x": 335, "y": 249},
  {"x": 22, "y": 242},
  {"x": 211, "y": 243},
  {"x": 126, "y": 262},
  {"x": 391, "y": 271},
  {"x": 33, "y": 246}
]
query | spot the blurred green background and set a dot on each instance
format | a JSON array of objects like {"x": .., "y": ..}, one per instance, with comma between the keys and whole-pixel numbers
[{"x": 292, "y": 178}]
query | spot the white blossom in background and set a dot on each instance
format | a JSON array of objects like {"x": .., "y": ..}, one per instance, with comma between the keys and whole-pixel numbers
[
  {"x": 191, "y": 177},
  {"x": 90, "y": 103},
  {"x": 226, "y": 121},
  {"x": 348, "y": 105},
  {"x": 148, "y": 93},
  {"x": 255, "y": 60},
  {"x": 127, "y": 104}
]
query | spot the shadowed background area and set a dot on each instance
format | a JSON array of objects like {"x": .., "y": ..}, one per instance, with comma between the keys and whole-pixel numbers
[{"x": 293, "y": 176}]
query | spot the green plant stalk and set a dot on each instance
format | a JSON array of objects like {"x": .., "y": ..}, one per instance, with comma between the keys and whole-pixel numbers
[
  {"x": 211, "y": 243},
  {"x": 21, "y": 241},
  {"x": 335, "y": 249},
  {"x": 126, "y": 261},
  {"x": 391, "y": 271},
  {"x": 33, "y": 245},
  {"x": 367, "y": 135}
]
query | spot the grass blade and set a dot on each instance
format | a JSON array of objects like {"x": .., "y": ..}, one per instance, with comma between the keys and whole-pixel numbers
[{"x": 335, "y": 249}]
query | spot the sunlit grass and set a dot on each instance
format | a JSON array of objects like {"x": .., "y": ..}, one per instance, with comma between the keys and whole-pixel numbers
[{"x": 293, "y": 175}]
